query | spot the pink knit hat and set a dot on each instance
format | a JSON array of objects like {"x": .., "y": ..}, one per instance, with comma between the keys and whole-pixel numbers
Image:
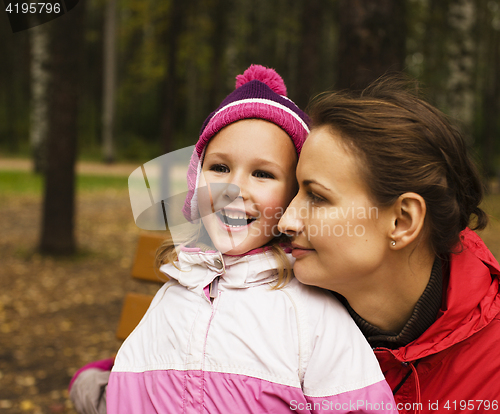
[{"x": 260, "y": 94}]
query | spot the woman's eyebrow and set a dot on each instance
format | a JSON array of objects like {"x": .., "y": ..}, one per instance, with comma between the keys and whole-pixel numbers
[{"x": 309, "y": 182}]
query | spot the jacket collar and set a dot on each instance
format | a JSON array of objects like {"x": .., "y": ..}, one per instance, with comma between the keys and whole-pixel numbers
[
  {"x": 196, "y": 269},
  {"x": 471, "y": 301}
]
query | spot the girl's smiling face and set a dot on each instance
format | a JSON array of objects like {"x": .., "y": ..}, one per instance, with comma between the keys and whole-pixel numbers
[
  {"x": 260, "y": 158},
  {"x": 340, "y": 237}
]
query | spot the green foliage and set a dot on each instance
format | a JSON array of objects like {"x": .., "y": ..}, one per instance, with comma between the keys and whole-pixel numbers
[
  {"x": 138, "y": 149},
  {"x": 217, "y": 40},
  {"x": 86, "y": 183},
  {"x": 21, "y": 182}
]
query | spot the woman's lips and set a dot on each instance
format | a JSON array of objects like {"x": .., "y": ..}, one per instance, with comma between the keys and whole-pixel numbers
[{"x": 300, "y": 251}]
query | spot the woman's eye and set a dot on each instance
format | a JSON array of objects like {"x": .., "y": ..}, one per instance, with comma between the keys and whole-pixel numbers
[
  {"x": 313, "y": 198},
  {"x": 219, "y": 168},
  {"x": 262, "y": 174}
]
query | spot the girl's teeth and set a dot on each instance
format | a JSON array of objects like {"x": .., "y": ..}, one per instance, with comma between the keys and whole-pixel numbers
[
  {"x": 229, "y": 219},
  {"x": 237, "y": 217}
]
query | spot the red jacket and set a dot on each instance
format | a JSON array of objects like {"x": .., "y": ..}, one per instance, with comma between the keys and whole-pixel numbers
[{"x": 454, "y": 366}]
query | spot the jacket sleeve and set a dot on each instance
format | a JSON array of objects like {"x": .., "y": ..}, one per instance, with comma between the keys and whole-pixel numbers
[
  {"x": 88, "y": 391},
  {"x": 342, "y": 374}
]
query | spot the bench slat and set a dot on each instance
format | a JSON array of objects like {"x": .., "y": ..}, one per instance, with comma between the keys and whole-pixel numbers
[
  {"x": 135, "y": 305},
  {"x": 143, "y": 267},
  {"x": 134, "y": 308}
]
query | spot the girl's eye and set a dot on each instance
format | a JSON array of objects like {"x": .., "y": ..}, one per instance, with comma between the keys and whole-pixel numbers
[
  {"x": 262, "y": 174},
  {"x": 313, "y": 198},
  {"x": 219, "y": 168}
]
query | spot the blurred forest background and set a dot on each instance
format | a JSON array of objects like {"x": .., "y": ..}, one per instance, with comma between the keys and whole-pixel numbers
[
  {"x": 165, "y": 65},
  {"x": 115, "y": 83},
  {"x": 133, "y": 79}
]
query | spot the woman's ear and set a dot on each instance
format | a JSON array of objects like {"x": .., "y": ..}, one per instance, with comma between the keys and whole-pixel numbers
[{"x": 409, "y": 216}]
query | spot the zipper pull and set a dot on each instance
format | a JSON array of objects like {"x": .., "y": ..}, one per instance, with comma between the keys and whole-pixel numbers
[{"x": 214, "y": 288}]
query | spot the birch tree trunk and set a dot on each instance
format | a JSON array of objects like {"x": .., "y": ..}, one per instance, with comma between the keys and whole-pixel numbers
[
  {"x": 39, "y": 97},
  {"x": 109, "y": 82},
  {"x": 460, "y": 85}
]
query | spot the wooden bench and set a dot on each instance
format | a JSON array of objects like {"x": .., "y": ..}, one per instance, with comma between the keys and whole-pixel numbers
[{"x": 136, "y": 304}]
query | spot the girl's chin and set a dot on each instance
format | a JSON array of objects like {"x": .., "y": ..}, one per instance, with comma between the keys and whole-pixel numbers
[
  {"x": 231, "y": 246},
  {"x": 235, "y": 247},
  {"x": 236, "y": 252}
]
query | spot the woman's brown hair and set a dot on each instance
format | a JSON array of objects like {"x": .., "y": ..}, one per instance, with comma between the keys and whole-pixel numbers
[{"x": 407, "y": 145}]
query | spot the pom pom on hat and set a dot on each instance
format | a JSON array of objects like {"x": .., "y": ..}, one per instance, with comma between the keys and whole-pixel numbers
[{"x": 266, "y": 75}]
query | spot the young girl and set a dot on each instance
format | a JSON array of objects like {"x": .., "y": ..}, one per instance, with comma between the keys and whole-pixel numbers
[{"x": 232, "y": 331}]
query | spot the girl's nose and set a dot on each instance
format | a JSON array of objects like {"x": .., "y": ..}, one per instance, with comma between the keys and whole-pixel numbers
[
  {"x": 237, "y": 182},
  {"x": 290, "y": 223},
  {"x": 220, "y": 196},
  {"x": 231, "y": 191}
]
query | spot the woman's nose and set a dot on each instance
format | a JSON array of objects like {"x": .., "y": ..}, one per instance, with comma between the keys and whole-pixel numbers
[{"x": 290, "y": 223}]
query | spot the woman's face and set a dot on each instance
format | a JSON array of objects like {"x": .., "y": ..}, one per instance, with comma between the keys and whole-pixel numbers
[{"x": 340, "y": 237}]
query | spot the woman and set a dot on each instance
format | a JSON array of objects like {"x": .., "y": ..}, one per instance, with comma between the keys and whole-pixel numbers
[{"x": 382, "y": 217}]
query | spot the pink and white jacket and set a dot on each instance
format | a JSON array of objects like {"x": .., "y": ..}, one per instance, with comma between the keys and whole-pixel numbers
[{"x": 218, "y": 339}]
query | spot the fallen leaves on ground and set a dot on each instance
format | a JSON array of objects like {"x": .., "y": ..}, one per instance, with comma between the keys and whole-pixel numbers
[{"x": 57, "y": 314}]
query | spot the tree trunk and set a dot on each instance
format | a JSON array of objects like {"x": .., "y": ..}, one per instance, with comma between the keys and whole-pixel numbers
[
  {"x": 170, "y": 101},
  {"x": 39, "y": 96},
  {"x": 57, "y": 236},
  {"x": 490, "y": 89},
  {"x": 460, "y": 85},
  {"x": 109, "y": 82},
  {"x": 371, "y": 41},
  {"x": 308, "y": 69},
  {"x": 170, "y": 89},
  {"x": 435, "y": 72},
  {"x": 218, "y": 42}
]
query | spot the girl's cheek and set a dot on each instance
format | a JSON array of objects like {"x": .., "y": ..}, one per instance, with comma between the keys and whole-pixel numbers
[
  {"x": 273, "y": 201},
  {"x": 274, "y": 212}
]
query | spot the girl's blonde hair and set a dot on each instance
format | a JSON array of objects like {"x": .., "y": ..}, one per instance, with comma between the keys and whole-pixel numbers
[{"x": 167, "y": 253}]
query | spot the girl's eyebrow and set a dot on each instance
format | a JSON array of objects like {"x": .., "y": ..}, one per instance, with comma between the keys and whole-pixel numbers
[
  {"x": 269, "y": 163},
  {"x": 216, "y": 154}
]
